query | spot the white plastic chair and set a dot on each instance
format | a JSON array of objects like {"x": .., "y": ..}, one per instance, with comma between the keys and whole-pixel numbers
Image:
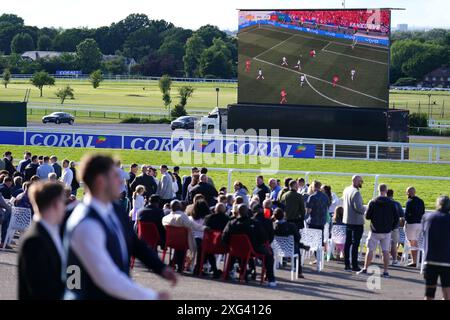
[
  {"x": 420, "y": 252},
  {"x": 313, "y": 239},
  {"x": 20, "y": 221},
  {"x": 338, "y": 236},
  {"x": 284, "y": 247},
  {"x": 362, "y": 244}
]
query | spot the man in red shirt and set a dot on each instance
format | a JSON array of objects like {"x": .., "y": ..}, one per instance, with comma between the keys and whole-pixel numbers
[
  {"x": 247, "y": 65},
  {"x": 312, "y": 53}
]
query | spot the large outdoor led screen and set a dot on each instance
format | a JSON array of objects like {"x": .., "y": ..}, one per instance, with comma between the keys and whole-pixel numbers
[{"x": 314, "y": 57}]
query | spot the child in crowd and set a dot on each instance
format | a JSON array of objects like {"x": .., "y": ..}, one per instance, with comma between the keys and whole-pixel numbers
[
  {"x": 338, "y": 218},
  {"x": 138, "y": 202},
  {"x": 267, "y": 205}
]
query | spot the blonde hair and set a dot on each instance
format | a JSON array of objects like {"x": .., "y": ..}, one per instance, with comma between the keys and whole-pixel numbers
[{"x": 140, "y": 189}]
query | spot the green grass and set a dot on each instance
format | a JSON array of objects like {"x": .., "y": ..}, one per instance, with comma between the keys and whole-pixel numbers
[
  {"x": 266, "y": 46},
  {"x": 427, "y": 189}
]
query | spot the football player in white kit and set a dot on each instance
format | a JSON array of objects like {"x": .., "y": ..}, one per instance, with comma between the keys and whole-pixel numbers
[
  {"x": 298, "y": 65},
  {"x": 355, "y": 41},
  {"x": 302, "y": 80},
  {"x": 260, "y": 75},
  {"x": 353, "y": 73},
  {"x": 284, "y": 62}
]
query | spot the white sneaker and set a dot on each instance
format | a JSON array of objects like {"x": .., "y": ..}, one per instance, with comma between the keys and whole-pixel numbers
[
  {"x": 272, "y": 284},
  {"x": 395, "y": 262}
]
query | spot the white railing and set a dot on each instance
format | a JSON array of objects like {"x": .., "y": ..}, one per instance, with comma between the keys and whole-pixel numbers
[
  {"x": 325, "y": 148},
  {"x": 84, "y": 77}
]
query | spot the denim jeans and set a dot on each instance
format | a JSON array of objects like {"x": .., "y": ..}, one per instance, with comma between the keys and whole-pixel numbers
[{"x": 353, "y": 238}]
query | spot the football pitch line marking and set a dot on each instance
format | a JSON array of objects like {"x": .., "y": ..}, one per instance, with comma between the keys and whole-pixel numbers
[
  {"x": 364, "y": 45},
  {"x": 328, "y": 98},
  {"x": 319, "y": 79},
  {"x": 323, "y": 40},
  {"x": 354, "y": 57},
  {"x": 326, "y": 46},
  {"x": 278, "y": 44}
]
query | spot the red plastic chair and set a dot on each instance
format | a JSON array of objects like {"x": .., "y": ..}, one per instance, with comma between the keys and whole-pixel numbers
[
  {"x": 176, "y": 239},
  {"x": 241, "y": 247},
  {"x": 147, "y": 231},
  {"x": 211, "y": 244}
]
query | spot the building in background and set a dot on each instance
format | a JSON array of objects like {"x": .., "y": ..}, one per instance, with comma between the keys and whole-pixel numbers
[
  {"x": 437, "y": 78},
  {"x": 402, "y": 27}
]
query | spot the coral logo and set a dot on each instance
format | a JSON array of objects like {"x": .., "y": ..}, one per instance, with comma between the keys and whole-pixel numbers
[
  {"x": 300, "y": 148},
  {"x": 100, "y": 140}
]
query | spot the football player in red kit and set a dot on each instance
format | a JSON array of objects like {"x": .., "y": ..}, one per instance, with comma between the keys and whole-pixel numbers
[
  {"x": 283, "y": 94},
  {"x": 335, "y": 81},
  {"x": 247, "y": 65},
  {"x": 312, "y": 53}
]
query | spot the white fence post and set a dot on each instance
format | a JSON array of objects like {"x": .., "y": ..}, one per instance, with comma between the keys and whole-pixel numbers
[
  {"x": 334, "y": 149},
  {"x": 430, "y": 154},
  {"x": 368, "y": 152},
  {"x": 306, "y": 178},
  {"x": 402, "y": 153},
  {"x": 376, "y": 152},
  {"x": 438, "y": 153},
  {"x": 375, "y": 185},
  {"x": 230, "y": 171}
]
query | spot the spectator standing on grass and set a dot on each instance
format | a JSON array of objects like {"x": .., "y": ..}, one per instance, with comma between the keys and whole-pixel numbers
[
  {"x": 383, "y": 217},
  {"x": 75, "y": 183},
  {"x": 44, "y": 169},
  {"x": 282, "y": 228},
  {"x": 241, "y": 191},
  {"x": 283, "y": 191},
  {"x": 395, "y": 234},
  {"x": 207, "y": 190},
  {"x": 137, "y": 203},
  {"x": 210, "y": 180},
  {"x": 100, "y": 241},
  {"x": 243, "y": 224},
  {"x": 8, "y": 160},
  {"x": 165, "y": 186},
  {"x": 67, "y": 174},
  {"x": 176, "y": 174},
  {"x": 31, "y": 169},
  {"x": 354, "y": 220},
  {"x": 152, "y": 212},
  {"x": 436, "y": 228},
  {"x": 24, "y": 162},
  {"x": 56, "y": 167},
  {"x": 294, "y": 206},
  {"x": 261, "y": 190},
  {"x": 187, "y": 181},
  {"x": 41, "y": 252},
  {"x": 132, "y": 175},
  {"x": 145, "y": 179},
  {"x": 302, "y": 186},
  {"x": 414, "y": 211},
  {"x": 317, "y": 208},
  {"x": 274, "y": 190}
]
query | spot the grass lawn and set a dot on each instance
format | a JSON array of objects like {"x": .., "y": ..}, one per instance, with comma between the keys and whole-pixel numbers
[
  {"x": 130, "y": 96},
  {"x": 427, "y": 189}
]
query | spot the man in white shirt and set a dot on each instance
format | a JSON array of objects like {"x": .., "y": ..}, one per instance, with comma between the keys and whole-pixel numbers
[
  {"x": 67, "y": 174},
  {"x": 100, "y": 241}
]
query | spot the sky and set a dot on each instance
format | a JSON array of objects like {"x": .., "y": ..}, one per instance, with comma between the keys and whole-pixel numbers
[{"x": 194, "y": 13}]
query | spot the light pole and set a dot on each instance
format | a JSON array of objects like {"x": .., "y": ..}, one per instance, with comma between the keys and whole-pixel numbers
[{"x": 217, "y": 94}]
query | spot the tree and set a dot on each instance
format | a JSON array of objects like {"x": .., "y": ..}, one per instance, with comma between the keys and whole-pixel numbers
[
  {"x": 95, "y": 78},
  {"x": 68, "y": 40},
  {"x": 191, "y": 59},
  {"x": 6, "y": 77},
  {"x": 208, "y": 33},
  {"x": 11, "y": 19},
  {"x": 22, "y": 42},
  {"x": 89, "y": 55},
  {"x": 44, "y": 43},
  {"x": 141, "y": 42},
  {"x": 41, "y": 79},
  {"x": 66, "y": 92},
  {"x": 114, "y": 66},
  {"x": 216, "y": 60},
  {"x": 185, "y": 92},
  {"x": 165, "y": 84}
]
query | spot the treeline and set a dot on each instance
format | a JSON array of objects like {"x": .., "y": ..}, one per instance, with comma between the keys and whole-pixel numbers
[
  {"x": 416, "y": 53},
  {"x": 157, "y": 46}
]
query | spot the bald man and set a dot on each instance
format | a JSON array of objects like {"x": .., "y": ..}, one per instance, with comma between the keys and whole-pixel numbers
[
  {"x": 207, "y": 190},
  {"x": 354, "y": 220},
  {"x": 414, "y": 210}
]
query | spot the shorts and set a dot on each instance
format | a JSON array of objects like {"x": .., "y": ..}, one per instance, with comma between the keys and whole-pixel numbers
[
  {"x": 383, "y": 238},
  {"x": 412, "y": 231},
  {"x": 432, "y": 273},
  {"x": 395, "y": 237}
]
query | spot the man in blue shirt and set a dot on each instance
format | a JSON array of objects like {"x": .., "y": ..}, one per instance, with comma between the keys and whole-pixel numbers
[
  {"x": 44, "y": 169},
  {"x": 275, "y": 189},
  {"x": 395, "y": 234}
]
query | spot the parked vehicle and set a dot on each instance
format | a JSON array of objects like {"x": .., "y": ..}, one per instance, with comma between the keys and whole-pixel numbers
[
  {"x": 59, "y": 117},
  {"x": 185, "y": 122}
]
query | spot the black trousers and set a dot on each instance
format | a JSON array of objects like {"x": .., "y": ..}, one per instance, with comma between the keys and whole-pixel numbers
[
  {"x": 269, "y": 262},
  {"x": 353, "y": 238}
]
